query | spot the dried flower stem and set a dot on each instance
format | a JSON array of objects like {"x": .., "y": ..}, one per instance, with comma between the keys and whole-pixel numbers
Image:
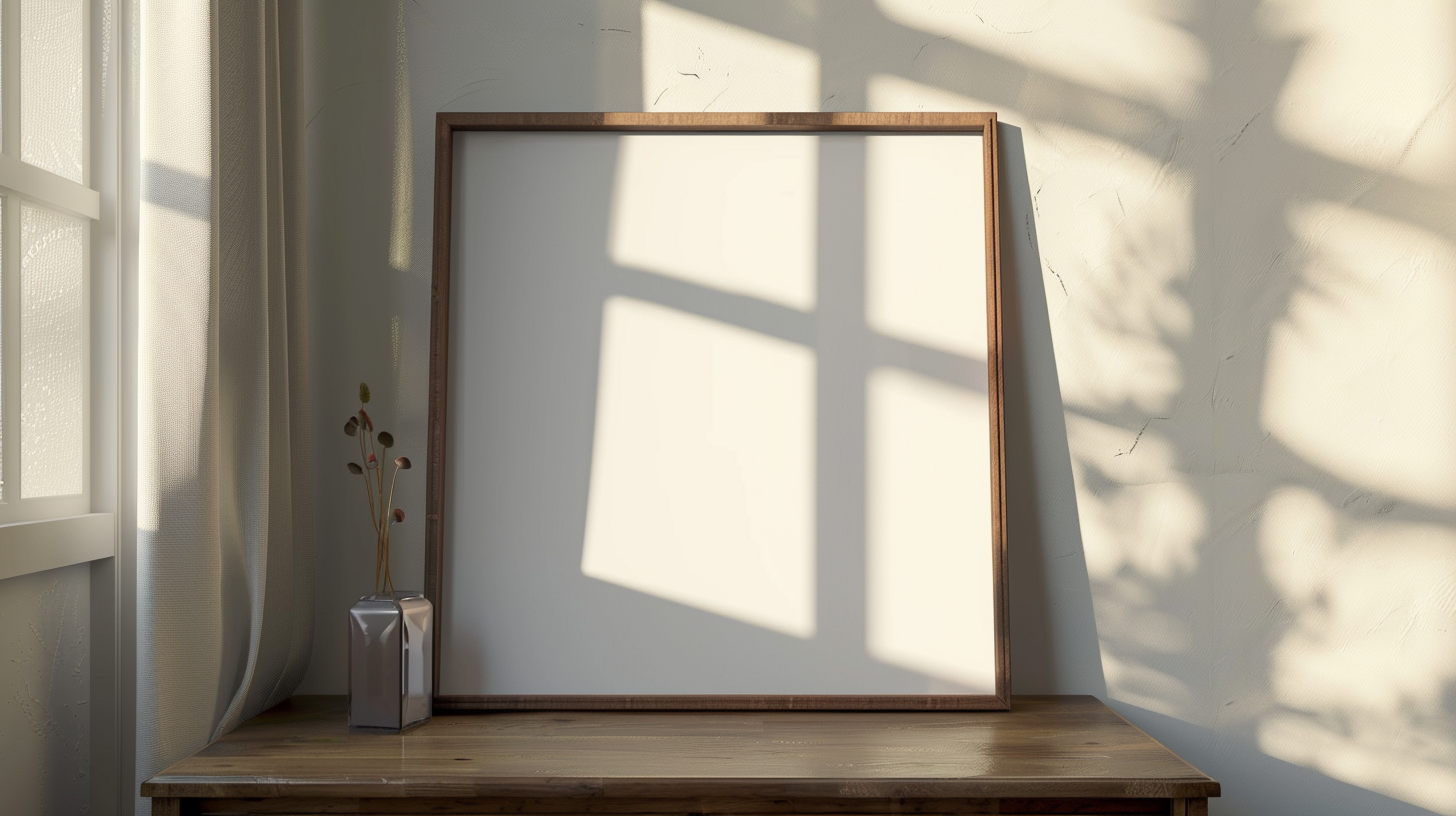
[
  {"x": 388, "y": 522},
  {"x": 380, "y": 503},
  {"x": 373, "y": 511}
]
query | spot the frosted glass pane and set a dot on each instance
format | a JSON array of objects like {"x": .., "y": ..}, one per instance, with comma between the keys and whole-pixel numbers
[
  {"x": 52, "y": 337},
  {"x": 2, "y": 84},
  {"x": 2, "y": 356},
  {"x": 52, "y": 61}
]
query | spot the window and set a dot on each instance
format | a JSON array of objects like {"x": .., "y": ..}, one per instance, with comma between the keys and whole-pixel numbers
[{"x": 49, "y": 209}]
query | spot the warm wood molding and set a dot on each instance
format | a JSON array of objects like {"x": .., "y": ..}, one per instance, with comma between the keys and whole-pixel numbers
[{"x": 726, "y": 122}]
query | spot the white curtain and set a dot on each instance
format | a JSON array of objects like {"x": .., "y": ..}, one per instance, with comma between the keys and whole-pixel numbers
[{"x": 225, "y": 541}]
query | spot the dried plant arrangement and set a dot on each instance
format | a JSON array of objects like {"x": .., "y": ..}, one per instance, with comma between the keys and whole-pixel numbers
[{"x": 382, "y": 512}]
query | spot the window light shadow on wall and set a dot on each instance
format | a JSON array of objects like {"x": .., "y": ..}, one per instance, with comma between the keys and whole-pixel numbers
[
  {"x": 918, "y": 238},
  {"x": 1400, "y": 119},
  {"x": 927, "y": 452},
  {"x": 695, "y": 62},
  {"x": 1245, "y": 238},
  {"x": 1119, "y": 48},
  {"x": 402, "y": 191},
  {"x": 754, "y": 234},
  {"x": 1359, "y": 385},
  {"x": 1373, "y": 307},
  {"x": 702, "y": 485},
  {"x": 1244, "y": 222},
  {"x": 705, "y": 468},
  {"x": 1358, "y": 391},
  {"x": 1361, "y": 703}
]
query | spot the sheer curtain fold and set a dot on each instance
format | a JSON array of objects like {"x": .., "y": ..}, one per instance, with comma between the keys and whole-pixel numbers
[{"x": 225, "y": 541}]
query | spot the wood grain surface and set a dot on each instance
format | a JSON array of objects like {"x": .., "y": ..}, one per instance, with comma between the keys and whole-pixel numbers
[
  {"x": 903, "y": 122},
  {"x": 695, "y": 762}
]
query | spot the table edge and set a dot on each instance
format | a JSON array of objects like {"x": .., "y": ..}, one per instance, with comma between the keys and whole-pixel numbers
[
  {"x": 678, "y": 788},
  {"x": 170, "y": 784}
]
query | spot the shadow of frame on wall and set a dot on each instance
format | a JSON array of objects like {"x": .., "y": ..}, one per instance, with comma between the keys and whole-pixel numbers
[{"x": 725, "y": 407}]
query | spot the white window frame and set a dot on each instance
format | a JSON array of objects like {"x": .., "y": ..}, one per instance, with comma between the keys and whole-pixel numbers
[{"x": 46, "y": 533}]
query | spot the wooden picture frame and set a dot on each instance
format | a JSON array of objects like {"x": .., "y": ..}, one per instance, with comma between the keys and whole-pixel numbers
[{"x": 447, "y": 242}]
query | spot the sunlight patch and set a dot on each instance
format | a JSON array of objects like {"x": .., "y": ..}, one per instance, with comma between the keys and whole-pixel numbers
[{"x": 702, "y": 479}]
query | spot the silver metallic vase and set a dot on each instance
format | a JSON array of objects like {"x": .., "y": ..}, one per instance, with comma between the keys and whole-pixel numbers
[{"x": 390, "y": 665}]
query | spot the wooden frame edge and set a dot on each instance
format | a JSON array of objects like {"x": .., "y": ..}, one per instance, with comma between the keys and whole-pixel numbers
[
  {"x": 711, "y": 122},
  {"x": 995, "y": 363},
  {"x": 446, "y": 123},
  {"x": 460, "y": 703},
  {"x": 438, "y": 384}
]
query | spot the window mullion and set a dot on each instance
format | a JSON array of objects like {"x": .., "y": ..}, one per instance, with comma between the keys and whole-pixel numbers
[
  {"x": 10, "y": 256},
  {"x": 10, "y": 71},
  {"x": 87, "y": 228},
  {"x": 87, "y": 88},
  {"x": 10, "y": 346},
  {"x": 45, "y": 187}
]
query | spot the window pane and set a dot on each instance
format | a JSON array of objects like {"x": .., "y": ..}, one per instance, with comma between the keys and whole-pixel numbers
[
  {"x": 52, "y": 54},
  {"x": 52, "y": 337},
  {"x": 2, "y": 84},
  {"x": 2, "y": 358}
]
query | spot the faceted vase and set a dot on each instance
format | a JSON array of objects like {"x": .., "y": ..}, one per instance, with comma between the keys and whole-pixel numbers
[{"x": 390, "y": 661}]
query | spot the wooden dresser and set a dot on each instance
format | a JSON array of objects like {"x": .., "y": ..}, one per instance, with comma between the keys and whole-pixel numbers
[{"x": 1048, "y": 755}]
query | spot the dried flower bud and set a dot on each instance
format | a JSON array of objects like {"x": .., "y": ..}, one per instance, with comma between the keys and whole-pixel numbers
[
  {"x": 403, "y": 463},
  {"x": 365, "y": 420},
  {"x": 398, "y": 515},
  {"x": 355, "y": 469},
  {"x": 386, "y": 439},
  {"x": 363, "y": 392},
  {"x": 352, "y": 426},
  {"x": 372, "y": 463}
]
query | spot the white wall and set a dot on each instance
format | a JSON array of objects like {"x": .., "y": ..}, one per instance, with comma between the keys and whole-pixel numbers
[
  {"x": 45, "y": 692},
  {"x": 1230, "y": 275}
]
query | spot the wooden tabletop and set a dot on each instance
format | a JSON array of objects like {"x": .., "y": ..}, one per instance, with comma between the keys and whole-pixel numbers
[{"x": 1043, "y": 746}]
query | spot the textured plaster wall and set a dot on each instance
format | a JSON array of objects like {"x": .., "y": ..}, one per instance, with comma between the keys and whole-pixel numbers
[
  {"x": 45, "y": 688},
  {"x": 1231, "y": 293}
]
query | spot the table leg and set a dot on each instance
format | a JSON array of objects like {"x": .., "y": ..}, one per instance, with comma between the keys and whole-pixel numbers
[
  {"x": 173, "y": 806},
  {"x": 1190, "y": 807}
]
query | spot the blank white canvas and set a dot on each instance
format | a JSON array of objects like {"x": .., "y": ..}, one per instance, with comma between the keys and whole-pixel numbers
[{"x": 718, "y": 416}]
